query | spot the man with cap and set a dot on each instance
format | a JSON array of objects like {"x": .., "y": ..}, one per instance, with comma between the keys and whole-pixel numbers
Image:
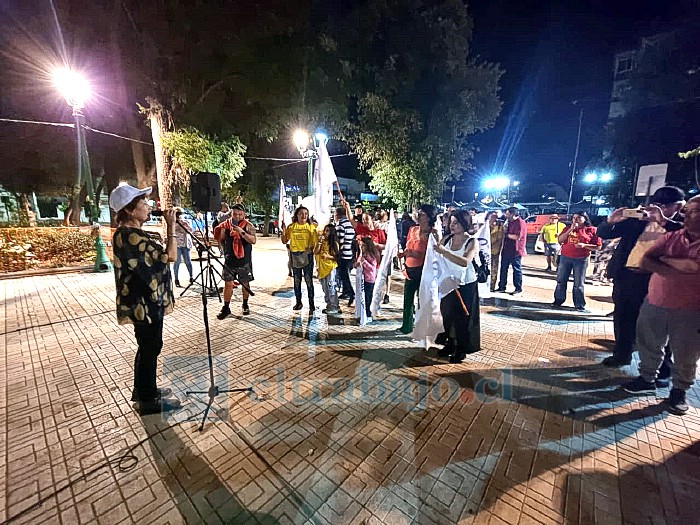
[
  {"x": 630, "y": 285},
  {"x": 237, "y": 236},
  {"x": 144, "y": 290}
]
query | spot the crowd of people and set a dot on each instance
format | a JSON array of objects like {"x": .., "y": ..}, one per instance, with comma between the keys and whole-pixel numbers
[{"x": 655, "y": 269}]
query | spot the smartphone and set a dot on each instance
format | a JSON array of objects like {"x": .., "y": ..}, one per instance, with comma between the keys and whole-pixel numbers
[{"x": 634, "y": 213}]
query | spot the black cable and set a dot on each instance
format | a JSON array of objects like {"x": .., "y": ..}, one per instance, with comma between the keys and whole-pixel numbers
[{"x": 124, "y": 463}]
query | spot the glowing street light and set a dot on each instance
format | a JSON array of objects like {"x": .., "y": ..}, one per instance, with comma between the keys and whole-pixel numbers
[
  {"x": 73, "y": 86},
  {"x": 500, "y": 183},
  {"x": 307, "y": 149},
  {"x": 590, "y": 178},
  {"x": 301, "y": 140},
  {"x": 606, "y": 177}
]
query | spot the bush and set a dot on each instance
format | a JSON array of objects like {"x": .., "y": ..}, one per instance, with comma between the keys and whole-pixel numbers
[{"x": 27, "y": 248}]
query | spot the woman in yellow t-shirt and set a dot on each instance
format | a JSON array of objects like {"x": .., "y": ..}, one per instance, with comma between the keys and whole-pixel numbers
[
  {"x": 302, "y": 238},
  {"x": 327, "y": 251}
]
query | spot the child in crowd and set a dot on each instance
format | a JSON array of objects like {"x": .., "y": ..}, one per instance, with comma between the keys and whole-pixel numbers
[{"x": 327, "y": 251}]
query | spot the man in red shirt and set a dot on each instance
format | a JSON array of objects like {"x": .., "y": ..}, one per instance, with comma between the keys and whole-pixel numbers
[
  {"x": 513, "y": 251},
  {"x": 577, "y": 242},
  {"x": 671, "y": 311}
]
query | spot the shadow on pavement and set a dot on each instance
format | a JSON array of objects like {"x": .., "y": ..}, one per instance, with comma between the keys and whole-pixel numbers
[{"x": 195, "y": 487}]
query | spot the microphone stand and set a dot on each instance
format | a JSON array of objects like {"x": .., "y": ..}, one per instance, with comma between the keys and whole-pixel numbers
[
  {"x": 209, "y": 283},
  {"x": 213, "y": 390}
]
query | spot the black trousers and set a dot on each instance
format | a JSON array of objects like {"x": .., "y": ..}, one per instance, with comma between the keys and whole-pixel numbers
[
  {"x": 150, "y": 340},
  {"x": 462, "y": 330},
  {"x": 629, "y": 291},
  {"x": 344, "y": 266}
]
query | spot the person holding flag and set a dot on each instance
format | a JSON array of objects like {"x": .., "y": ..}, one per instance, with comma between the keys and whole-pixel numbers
[
  {"x": 460, "y": 306},
  {"x": 414, "y": 257}
]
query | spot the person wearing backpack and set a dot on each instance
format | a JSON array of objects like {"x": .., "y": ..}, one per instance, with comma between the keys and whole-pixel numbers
[{"x": 460, "y": 307}]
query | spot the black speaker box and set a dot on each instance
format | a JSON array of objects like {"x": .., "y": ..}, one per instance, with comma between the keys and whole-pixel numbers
[{"x": 206, "y": 191}]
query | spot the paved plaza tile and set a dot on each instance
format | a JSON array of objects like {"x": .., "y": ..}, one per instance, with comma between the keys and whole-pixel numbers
[{"x": 345, "y": 424}]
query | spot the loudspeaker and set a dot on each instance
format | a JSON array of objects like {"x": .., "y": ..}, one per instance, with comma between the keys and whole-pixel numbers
[{"x": 206, "y": 191}]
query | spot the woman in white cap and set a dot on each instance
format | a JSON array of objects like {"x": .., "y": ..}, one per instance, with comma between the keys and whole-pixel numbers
[{"x": 144, "y": 290}]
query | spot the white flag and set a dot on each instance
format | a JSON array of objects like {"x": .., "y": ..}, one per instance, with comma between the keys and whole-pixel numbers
[
  {"x": 283, "y": 215},
  {"x": 324, "y": 177},
  {"x": 428, "y": 317},
  {"x": 360, "y": 310},
  {"x": 390, "y": 249}
]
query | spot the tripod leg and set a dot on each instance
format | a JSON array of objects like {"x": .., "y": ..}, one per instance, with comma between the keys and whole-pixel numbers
[{"x": 206, "y": 413}]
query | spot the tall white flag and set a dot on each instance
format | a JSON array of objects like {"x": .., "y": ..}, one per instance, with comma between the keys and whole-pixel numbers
[
  {"x": 283, "y": 215},
  {"x": 390, "y": 249},
  {"x": 324, "y": 178}
]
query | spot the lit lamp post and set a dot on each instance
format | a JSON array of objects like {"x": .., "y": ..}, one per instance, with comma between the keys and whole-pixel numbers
[
  {"x": 307, "y": 147},
  {"x": 501, "y": 184},
  {"x": 595, "y": 179},
  {"x": 76, "y": 90}
]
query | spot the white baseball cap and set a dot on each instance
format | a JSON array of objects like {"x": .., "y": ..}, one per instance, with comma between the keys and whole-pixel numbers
[{"x": 124, "y": 194}]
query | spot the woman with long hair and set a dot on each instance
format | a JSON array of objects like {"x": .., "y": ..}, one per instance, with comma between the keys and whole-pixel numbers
[
  {"x": 327, "y": 251},
  {"x": 144, "y": 290},
  {"x": 302, "y": 238},
  {"x": 184, "y": 245},
  {"x": 577, "y": 242},
  {"x": 366, "y": 262},
  {"x": 414, "y": 257},
  {"x": 460, "y": 307}
]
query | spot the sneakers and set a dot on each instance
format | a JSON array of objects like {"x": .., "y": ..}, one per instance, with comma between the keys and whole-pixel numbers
[
  {"x": 500, "y": 290},
  {"x": 583, "y": 310},
  {"x": 640, "y": 386},
  {"x": 516, "y": 293},
  {"x": 157, "y": 406},
  {"x": 676, "y": 402},
  {"x": 246, "y": 309},
  {"x": 556, "y": 304},
  {"x": 224, "y": 313},
  {"x": 615, "y": 362},
  {"x": 298, "y": 306},
  {"x": 177, "y": 284},
  {"x": 386, "y": 299}
]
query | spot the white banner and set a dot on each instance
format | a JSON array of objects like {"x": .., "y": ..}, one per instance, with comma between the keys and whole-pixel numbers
[
  {"x": 428, "y": 317},
  {"x": 390, "y": 249}
]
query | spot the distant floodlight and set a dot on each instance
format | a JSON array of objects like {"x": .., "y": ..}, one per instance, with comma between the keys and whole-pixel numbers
[
  {"x": 590, "y": 177},
  {"x": 301, "y": 139},
  {"x": 322, "y": 138},
  {"x": 73, "y": 86},
  {"x": 606, "y": 177},
  {"x": 516, "y": 183}
]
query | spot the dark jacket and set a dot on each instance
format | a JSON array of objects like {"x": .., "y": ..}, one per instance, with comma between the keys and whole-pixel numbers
[{"x": 628, "y": 231}]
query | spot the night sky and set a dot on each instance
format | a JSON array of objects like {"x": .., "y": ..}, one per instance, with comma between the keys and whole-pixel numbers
[{"x": 555, "y": 53}]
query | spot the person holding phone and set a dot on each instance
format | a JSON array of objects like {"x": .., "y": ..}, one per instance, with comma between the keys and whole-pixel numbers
[
  {"x": 630, "y": 285},
  {"x": 577, "y": 242}
]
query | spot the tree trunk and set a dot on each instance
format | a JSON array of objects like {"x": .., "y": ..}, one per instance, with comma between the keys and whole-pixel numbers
[
  {"x": 266, "y": 221},
  {"x": 163, "y": 172}
]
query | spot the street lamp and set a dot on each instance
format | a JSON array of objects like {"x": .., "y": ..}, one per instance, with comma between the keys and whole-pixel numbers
[
  {"x": 500, "y": 183},
  {"x": 302, "y": 141},
  {"x": 75, "y": 88}
]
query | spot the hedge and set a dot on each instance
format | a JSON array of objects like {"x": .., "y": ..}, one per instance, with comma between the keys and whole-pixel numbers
[{"x": 28, "y": 248}]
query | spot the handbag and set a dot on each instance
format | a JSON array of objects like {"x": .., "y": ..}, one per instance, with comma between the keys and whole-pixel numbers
[{"x": 300, "y": 259}]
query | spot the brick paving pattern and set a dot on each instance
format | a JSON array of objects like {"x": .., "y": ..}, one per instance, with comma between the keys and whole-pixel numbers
[{"x": 346, "y": 424}]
